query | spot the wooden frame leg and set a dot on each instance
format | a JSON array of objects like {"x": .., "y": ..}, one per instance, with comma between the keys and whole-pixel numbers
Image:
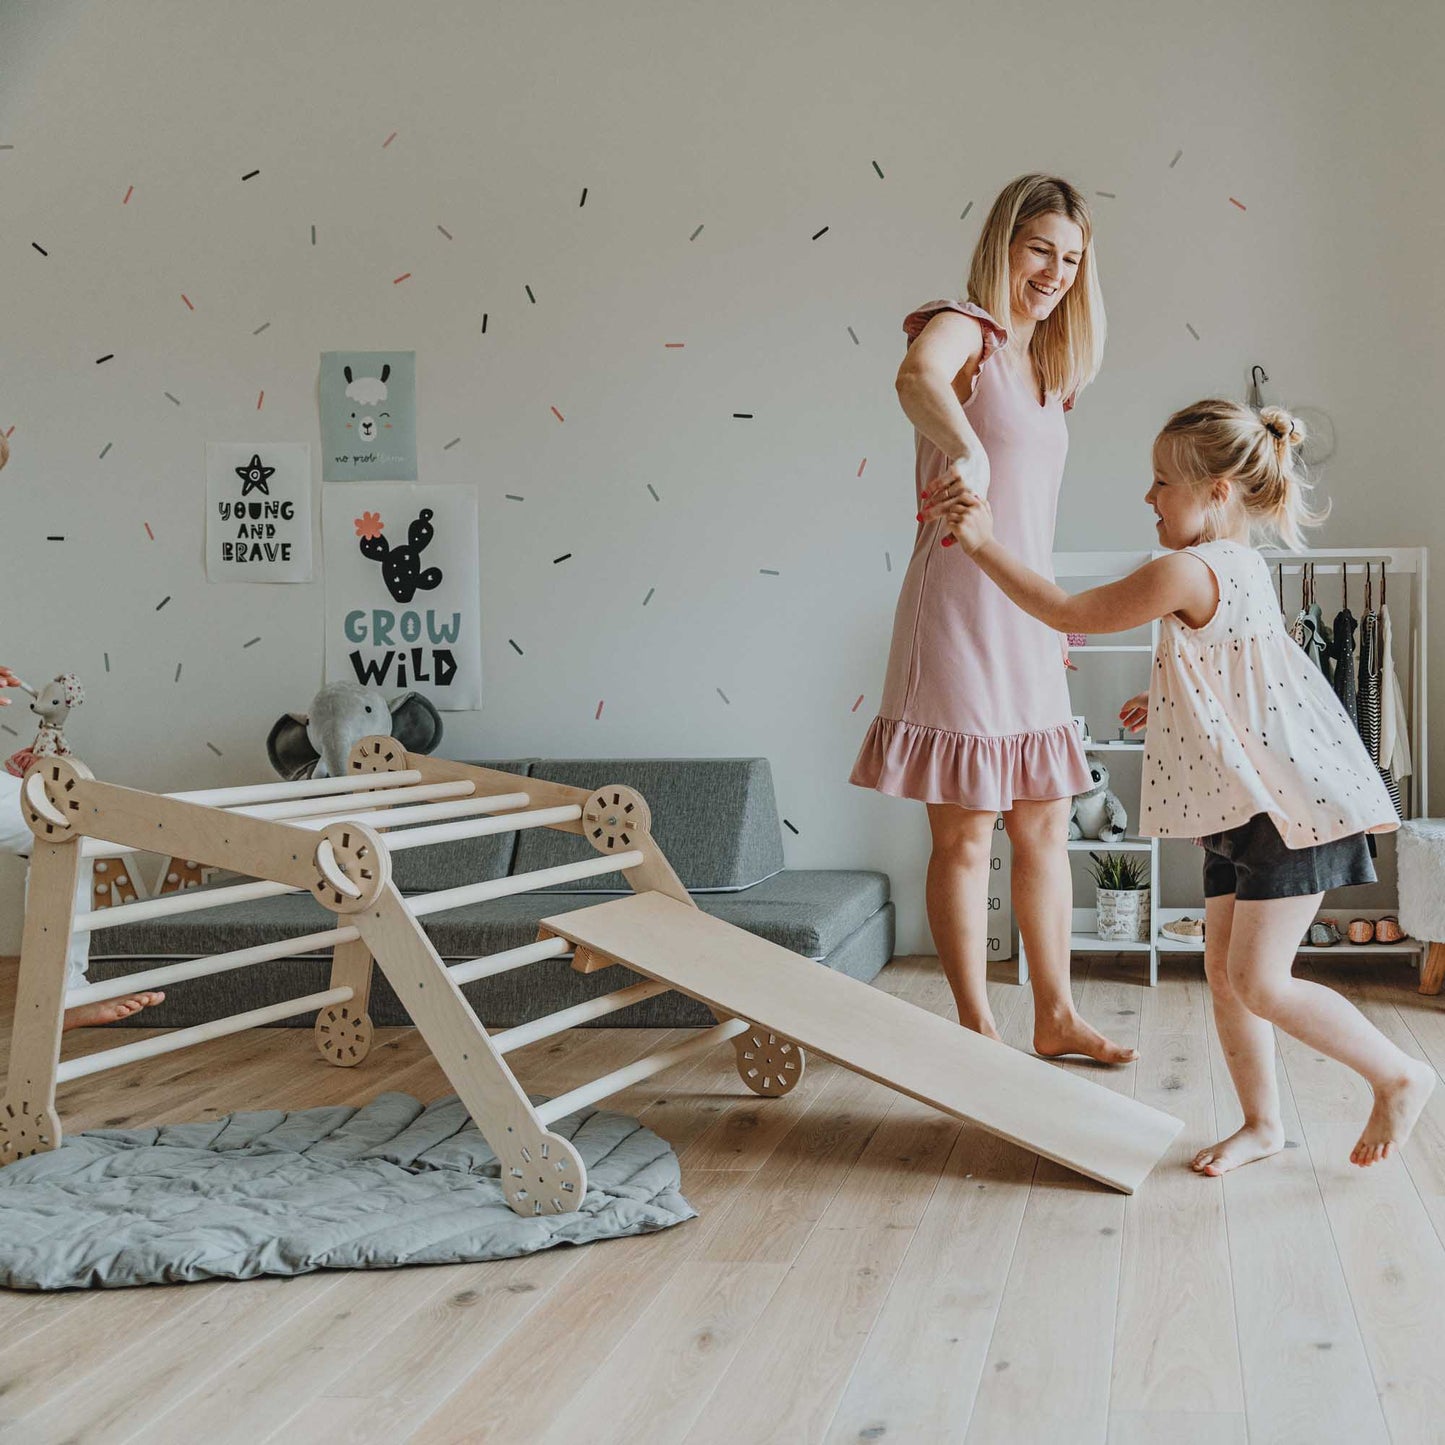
[
  {"x": 1432, "y": 971},
  {"x": 343, "y": 1031},
  {"x": 541, "y": 1172},
  {"x": 28, "y": 1121}
]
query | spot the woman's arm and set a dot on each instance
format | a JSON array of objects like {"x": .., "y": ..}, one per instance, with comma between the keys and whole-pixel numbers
[
  {"x": 946, "y": 347},
  {"x": 1176, "y": 583}
]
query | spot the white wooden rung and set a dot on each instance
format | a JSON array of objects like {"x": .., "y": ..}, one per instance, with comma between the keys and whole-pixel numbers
[
  {"x": 512, "y": 823},
  {"x": 579, "y": 1013},
  {"x": 423, "y": 903},
  {"x": 495, "y": 963},
  {"x": 644, "y": 1068},
  {"x": 191, "y": 901},
  {"x": 301, "y": 788},
  {"x": 184, "y": 1038},
  {"x": 212, "y": 963}
]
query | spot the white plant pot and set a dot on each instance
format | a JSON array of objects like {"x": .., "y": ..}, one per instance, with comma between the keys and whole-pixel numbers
[{"x": 1123, "y": 915}]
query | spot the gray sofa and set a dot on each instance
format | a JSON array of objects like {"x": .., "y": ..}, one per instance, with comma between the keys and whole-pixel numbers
[{"x": 715, "y": 819}]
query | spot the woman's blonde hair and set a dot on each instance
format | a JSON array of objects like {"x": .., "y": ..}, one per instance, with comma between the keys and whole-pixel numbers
[
  {"x": 1068, "y": 347},
  {"x": 1255, "y": 451}
]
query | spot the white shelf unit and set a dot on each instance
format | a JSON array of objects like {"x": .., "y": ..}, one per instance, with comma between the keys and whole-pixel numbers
[{"x": 1333, "y": 565}]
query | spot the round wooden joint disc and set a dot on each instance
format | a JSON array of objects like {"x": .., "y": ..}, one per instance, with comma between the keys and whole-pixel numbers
[
  {"x": 615, "y": 818},
  {"x": 26, "y": 1130},
  {"x": 541, "y": 1174},
  {"x": 768, "y": 1063},
  {"x": 353, "y": 866},
  {"x": 379, "y": 754},
  {"x": 48, "y": 799},
  {"x": 343, "y": 1034}
]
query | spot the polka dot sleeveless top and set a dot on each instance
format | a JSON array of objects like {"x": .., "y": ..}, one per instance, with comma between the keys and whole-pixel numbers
[{"x": 1241, "y": 722}]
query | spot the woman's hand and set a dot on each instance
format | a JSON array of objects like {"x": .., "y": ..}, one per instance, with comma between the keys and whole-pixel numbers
[
  {"x": 967, "y": 475},
  {"x": 1135, "y": 713},
  {"x": 8, "y": 679},
  {"x": 969, "y": 522}
]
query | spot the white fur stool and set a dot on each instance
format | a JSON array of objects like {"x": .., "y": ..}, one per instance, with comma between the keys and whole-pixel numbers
[{"x": 1421, "y": 858}]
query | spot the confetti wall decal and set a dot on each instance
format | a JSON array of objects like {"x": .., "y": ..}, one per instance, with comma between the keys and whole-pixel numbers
[
  {"x": 963, "y": 215},
  {"x": 149, "y": 533},
  {"x": 451, "y": 444},
  {"x": 171, "y": 398},
  {"x": 397, "y": 280},
  {"x": 1191, "y": 331},
  {"x": 445, "y": 232},
  {"x": 854, "y": 335},
  {"x": 189, "y": 305},
  {"x": 530, "y": 297},
  {"x": 251, "y": 643},
  {"x": 861, "y": 465},
  {"x": 791, "y": 828},
  {"x": 583, "y": 201},
  {"x": 515, "y": 648},
  {"x": 653, "y": 490},
  {"x": 558, "y": 414},
  {"x": 1175, "y": 161},
  {"x": 769, "y": 572},
  {"x": 129, "y": 190},
  {"x": 388, "y": 140},
  {"x": 40, "y": 248},
  {"x": 857, "y": 704},
  {"x": 107, "y": 447},
  {"x": 260, "y": 328},
  {"x": 823, "y": 232},
  {"x": 109, "y": 356},
  {"x": 695, "y": 234},
  {"x": 724, "y": 696},
  {"x": 598, "y": 713},
  {"x": 1240, "y": 204},
  {"x": 879, "y": 169},
  {"x": 250, "y": 174},
  {"x": 648, "y": 598}
]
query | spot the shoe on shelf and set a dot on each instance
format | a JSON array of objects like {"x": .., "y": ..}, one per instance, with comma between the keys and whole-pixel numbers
[
  {"x": 1388, "y": 930},
  {"x": 1324, "y": 933},
  {"x": 1362, "y": 930},
  {"x": 1188, "y": 930}
]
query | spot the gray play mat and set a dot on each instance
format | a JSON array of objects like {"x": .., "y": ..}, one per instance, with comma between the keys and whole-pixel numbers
[{"x": 392, "y": 1183}]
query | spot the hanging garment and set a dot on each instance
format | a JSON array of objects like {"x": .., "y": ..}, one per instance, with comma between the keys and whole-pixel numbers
[
  {"x": 1309, "y": 628},
  {"x": 1342, "y": 652},
  {"x": 1395, "y": 760},
  {"x": 1371, "y": 680}
]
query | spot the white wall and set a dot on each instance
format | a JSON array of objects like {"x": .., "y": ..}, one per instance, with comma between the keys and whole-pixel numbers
[{"x": 760, "y": 123}]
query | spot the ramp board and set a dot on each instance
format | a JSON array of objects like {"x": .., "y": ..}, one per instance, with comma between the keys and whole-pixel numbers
[{"x": 1092, "y": 1130}]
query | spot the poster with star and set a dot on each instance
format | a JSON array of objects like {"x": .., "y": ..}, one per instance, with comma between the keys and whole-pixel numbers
[
  {"x": 368, "y": 416},
  {"x": 258, "y": 512},
  {"x": 403, "y": 590}
]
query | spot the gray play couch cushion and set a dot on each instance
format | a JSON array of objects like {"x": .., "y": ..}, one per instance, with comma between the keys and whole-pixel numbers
[
  {"x": 715, "y": 819},
  {"x": 466, "y": 860},
  {"x": 808, "y": 912},
  {"x": 273, "y": 1193}
]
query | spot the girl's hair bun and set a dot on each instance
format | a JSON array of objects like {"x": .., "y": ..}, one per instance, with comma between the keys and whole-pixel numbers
[{"x": 1282, "y": 426}]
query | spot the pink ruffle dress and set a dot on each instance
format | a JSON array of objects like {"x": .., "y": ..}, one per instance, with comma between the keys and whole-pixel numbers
[{"x": 975, "y": 706}]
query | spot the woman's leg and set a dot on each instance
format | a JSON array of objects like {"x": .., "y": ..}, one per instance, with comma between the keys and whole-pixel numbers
[
  {"x": 1248, "y": 1044},
  {"x": 957, "y": 899},
  {"x": 1043, "y": 897},
  {"x": 1261, "y": 954}
]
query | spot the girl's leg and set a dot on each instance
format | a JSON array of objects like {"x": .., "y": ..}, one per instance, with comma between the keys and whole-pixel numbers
[
  {"x": 1265, "y": 936},
  {"x": 1248, "y": 1044},
  {"x": 957, "y": 899},
  {"x": 1043, "y": 896}
]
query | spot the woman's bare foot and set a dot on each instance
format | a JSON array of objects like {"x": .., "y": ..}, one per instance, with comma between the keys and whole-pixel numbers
[
  {"x": 1254, "y": 1141},
  {"x": 984, "y": 1026},
  {"x": 1053, "y": 1038},
  {"x": 108, "y": 1010},
  {"x": 1397, "y": 1106}
]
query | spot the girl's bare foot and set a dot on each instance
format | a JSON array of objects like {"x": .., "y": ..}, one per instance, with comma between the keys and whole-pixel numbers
[
  {"x": 1397, "y": 1106},
  {"x": 1254, "y": 1141},
  {"x": 108, "y": 1010},
  {"x": 1053, "y": 1038}
]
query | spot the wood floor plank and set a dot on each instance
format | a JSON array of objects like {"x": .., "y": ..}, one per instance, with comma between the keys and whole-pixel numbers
[
  {"x": 1303, "y": 1363},
  {"x": 1150, "y": 1427}
]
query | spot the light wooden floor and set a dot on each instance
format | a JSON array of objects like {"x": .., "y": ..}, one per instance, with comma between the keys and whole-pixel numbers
[{"x": 862, "y": 1269}]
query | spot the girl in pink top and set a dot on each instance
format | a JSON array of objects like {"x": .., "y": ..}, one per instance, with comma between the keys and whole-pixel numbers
[
  {"x": 1248, "y": 750},
  {"x": 975, "y": 718}
]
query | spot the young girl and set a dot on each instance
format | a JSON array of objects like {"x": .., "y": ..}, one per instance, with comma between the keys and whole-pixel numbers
[{"x": 1249, "y": 751}]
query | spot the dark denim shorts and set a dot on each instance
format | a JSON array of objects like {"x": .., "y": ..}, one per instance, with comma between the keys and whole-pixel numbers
[{"x": 1252, "y": 862}]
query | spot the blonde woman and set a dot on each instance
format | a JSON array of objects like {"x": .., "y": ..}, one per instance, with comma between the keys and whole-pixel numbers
[
  {"x": 975, "y": 718},
  {"x": 1250, "y": 752}
]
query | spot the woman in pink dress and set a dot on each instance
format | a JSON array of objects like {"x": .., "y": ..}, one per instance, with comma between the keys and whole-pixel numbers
[{"x": 975, "y": 719}]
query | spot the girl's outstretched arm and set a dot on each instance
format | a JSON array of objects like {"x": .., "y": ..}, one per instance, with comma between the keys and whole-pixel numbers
[{"x": 1176, "y": 583}]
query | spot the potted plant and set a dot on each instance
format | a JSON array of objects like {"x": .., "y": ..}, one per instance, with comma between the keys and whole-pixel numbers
[{"x": 1122, "y": 898}]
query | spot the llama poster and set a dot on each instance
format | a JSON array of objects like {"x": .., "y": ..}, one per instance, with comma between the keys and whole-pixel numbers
[
  {"x": 403, "y": 594},
  {"x": 258, "y": 512},
  {"x": 368, "y": 416}
]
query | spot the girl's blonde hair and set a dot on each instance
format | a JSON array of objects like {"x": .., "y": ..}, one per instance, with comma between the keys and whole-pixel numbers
[
  {"x": 1255, "y": 451},
  {"x": 1068, "y": 347}
]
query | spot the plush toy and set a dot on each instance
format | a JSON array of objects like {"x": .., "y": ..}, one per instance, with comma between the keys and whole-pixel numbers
[
  {"x": 52, "y": 705},
  {"x": 317, "y": 744},
  {"x": 1098, "y": 813}
]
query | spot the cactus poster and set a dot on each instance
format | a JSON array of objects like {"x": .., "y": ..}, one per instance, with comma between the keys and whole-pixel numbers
[
  {"x": 368, "y": 416},
  {"x": 258, "y": 512},
  {"x": 403, "y": 596}
]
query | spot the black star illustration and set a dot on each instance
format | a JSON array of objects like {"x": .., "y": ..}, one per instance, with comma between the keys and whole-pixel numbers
[{"x": 253, "y": 474}]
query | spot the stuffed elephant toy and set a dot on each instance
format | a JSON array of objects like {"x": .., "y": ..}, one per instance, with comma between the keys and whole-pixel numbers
[
  {"x": 317, "y": 744},
  {"x": 1098, "y": 813}
]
